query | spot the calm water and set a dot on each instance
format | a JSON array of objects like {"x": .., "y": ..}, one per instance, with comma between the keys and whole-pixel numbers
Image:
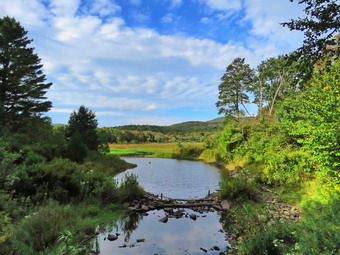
[
  {"x": 176, "y": 237},
  {"x": 174, "y": 178}
]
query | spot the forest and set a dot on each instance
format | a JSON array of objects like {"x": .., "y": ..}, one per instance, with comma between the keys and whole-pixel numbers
[{"x": 56, "y": 181}]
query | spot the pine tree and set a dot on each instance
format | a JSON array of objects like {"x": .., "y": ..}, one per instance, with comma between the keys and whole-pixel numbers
[
  {"x": 85, "y": 123},
  {"x": 232, "y": 90},
  {"x": 22, "y": 82}
]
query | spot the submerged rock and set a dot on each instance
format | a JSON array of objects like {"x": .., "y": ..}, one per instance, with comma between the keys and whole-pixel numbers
[
  {"x": 111, "y": 237},
  {"x": 216, "y": 248},
  {"x": 164, "y": 220},
  {"x": 202, "y": 249},
  {"x": 193, "y": 216}
]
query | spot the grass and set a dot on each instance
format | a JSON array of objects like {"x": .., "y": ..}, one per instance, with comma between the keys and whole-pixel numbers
[
  {"x": 147, "y": 149},
  {"x": 40, "y": 233}
]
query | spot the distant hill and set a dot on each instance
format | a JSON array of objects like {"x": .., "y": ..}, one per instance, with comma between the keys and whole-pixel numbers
[{"x": 188, "y": 126}]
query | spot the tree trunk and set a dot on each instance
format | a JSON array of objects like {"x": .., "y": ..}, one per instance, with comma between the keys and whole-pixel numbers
[{"x": 276, "y": 93}]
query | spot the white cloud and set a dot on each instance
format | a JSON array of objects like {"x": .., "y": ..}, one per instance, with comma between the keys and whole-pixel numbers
[
  {"x": 223, "y": 5},
  {"x": 61, "y": 110},
  {"x": 105, "y": 64},
  {"x": 168, "y": 18},
  {"x": 176, "y": 3},
  {"x": 265, "y": 18},
  {"x": 141, "y": 17},
  {"x": 64, "y": 7},
  {"x": 205, "y": 20},
  {"x": 103, "y": 8},
  {"x": 136, "y": 2}
]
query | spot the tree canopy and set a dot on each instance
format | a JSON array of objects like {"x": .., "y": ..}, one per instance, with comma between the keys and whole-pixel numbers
[
  {"x": 83, "y": 123},
  {"x": 232, "y": 90},
  {"x": 22, "y": 82}
]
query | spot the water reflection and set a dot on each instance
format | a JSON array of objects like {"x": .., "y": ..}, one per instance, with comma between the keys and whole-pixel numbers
[
  {"x": 176, "y": 237},
  {"x": 174, "y": 178}
]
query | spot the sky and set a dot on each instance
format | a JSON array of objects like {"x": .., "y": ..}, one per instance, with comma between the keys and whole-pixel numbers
[{"x": 155, "y": 62}]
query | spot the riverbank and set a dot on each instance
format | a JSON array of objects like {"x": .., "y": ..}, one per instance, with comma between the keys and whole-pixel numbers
[{"x": 299, "y": 218}]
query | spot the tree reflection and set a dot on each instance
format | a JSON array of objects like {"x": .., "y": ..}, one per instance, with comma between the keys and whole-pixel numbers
[{"x": 129, "y": 224}]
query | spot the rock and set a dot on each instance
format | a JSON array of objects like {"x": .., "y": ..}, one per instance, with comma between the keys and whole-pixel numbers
[
  {"x": 141, "y": 240},
  {"x": 164, "y": 219},
  {"x": 193, "y": 216},
  {"x": 145, "y": 208},
  {"x": 225, "y": 205},
  {"x": 96, "y": 232},
  {"x": 221, "y": 253},
  {"x": 111, "y": 237},
  {"x": 216, "y": 248},
  {"x": 169, "y": 210},
  {"x": 122, "y": 246},
  {"x": 202, "y": 249}
]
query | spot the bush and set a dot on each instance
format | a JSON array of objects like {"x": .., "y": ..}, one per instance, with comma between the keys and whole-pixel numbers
[
  {"x": 40, "y": 230},
  {"x": 130, "y": 189},
  {"x": 233, "y": 188},
  {"x": 187, "y": 152},
  {"x": 287, "y": 166},
  {"x": 274, "y": 239}
]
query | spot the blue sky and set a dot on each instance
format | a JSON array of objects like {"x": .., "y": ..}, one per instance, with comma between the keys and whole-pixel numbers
[{"x": 149, "y": 61}]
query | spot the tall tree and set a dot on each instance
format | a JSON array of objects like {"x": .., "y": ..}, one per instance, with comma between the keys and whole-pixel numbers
[
  {"x": 83, "y": 123},
  {"x": 274, "y": 79},
  {"x": 22, "y": 82},
  {"x": 321, "y": 26},
  {"x": 232, "y": 90}
]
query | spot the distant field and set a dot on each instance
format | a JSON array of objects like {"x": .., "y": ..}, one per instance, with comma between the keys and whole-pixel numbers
[{"x": 151, "y": 149}]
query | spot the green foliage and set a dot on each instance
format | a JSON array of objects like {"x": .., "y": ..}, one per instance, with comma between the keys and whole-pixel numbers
[
  {"x": 320, "y": 27},
  {"x": 232, "y": 90},
  {"x": 22, "y": 83},
  {"x": 319, "y": 231},
  {"x": 84, "y": 123},
  {"x": 312, "y": 120},
  {"x": 187, "y": 151},
  {"x": 76, "y": 149},
  {"x": 130, "y": 189},
  {"x": 237, "y": 187},
  {"x": 275, "y": 239},
  {"x": 274, "y": 80},
  {"x": 287, "y": 166},
  {"x": 56, "y": 230},
  {"x": 41, "y": 230}
]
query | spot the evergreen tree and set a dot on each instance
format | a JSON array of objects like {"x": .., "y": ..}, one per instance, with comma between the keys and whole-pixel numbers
[
  {"x": 232, "y": 90},
  {"x": 85, "y": 123},
  {"x": 22, "y": 82}
]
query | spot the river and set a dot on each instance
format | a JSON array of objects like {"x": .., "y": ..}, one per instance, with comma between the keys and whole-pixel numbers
[{"x": 181, "y": 179}]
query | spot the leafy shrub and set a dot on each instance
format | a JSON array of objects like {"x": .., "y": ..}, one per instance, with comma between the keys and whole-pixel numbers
[
  {"x": 40, "y": 230},
  {"x": 130, "y": 189},
  {"x": 319, "y": 231},
  {"x": 274, "y": 239},
  {"x": 232, "y": 188},
  {"x": 287, "y": 166},
  {"x": 187, "y": 152}
]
